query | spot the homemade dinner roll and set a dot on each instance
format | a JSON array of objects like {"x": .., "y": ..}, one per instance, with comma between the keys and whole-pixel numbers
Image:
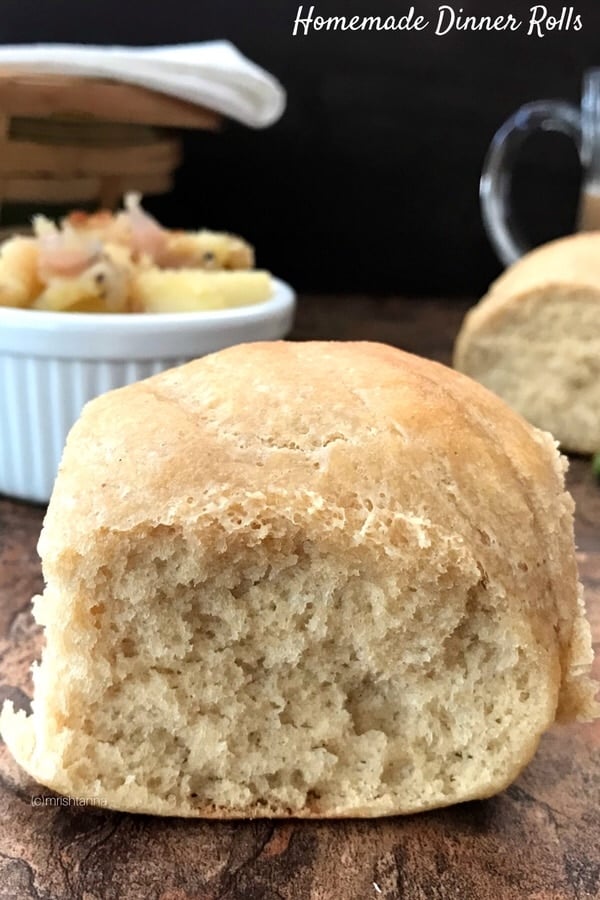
[
  {"x": 534, "y": 340},
  {"x": 303, "y": 579}
]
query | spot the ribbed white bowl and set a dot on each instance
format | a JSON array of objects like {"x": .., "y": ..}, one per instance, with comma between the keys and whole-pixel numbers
[{"x": 51, "y": 364}]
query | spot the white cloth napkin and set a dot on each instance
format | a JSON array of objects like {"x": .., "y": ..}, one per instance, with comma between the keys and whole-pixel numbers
[{"x": 213, "y": 74}]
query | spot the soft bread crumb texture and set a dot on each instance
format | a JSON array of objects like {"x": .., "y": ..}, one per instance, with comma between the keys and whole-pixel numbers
[
  {"x": 313, "y": 579},
  {"x": 534, "y": 340}
]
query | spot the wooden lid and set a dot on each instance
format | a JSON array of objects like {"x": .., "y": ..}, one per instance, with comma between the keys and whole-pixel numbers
[{"x": 40, "y": 96}]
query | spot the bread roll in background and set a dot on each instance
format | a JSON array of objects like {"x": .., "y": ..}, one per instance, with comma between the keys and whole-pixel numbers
[
  {"x": 303, "y": 579},
  {"x": 534, "y": 340}
]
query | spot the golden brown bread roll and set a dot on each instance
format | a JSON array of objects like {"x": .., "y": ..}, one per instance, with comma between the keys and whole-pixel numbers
[
  {"x": 303, "y": 579},
  {"x": 534, "y": 340}
]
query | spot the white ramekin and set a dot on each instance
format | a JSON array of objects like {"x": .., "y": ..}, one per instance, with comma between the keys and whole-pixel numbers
[{"x": 52, "y": 363}]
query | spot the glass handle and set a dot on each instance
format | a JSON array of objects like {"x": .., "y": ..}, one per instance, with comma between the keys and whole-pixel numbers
[{"x": 495, "y": 184}]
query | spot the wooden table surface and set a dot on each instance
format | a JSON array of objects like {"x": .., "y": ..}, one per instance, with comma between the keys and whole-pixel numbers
[{"x": 540, "y": 839}]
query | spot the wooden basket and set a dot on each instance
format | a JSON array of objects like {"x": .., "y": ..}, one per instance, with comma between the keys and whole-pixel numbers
[{"x": 66, "y": 140}]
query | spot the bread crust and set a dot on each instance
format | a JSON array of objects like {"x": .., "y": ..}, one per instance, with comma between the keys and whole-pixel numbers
[{"x": 571, "y": 263}]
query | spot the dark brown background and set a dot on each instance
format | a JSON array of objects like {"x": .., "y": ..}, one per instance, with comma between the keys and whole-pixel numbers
[{"x": 370, "y": 180}]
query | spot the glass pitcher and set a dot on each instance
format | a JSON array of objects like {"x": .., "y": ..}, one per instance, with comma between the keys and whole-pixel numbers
[{"x": 581, "y": 124}]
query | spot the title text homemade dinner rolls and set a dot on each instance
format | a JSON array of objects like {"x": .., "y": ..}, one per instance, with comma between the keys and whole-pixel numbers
[
  {"x": 303, "y": 579},
  {"x": 534, "y": 340}
]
